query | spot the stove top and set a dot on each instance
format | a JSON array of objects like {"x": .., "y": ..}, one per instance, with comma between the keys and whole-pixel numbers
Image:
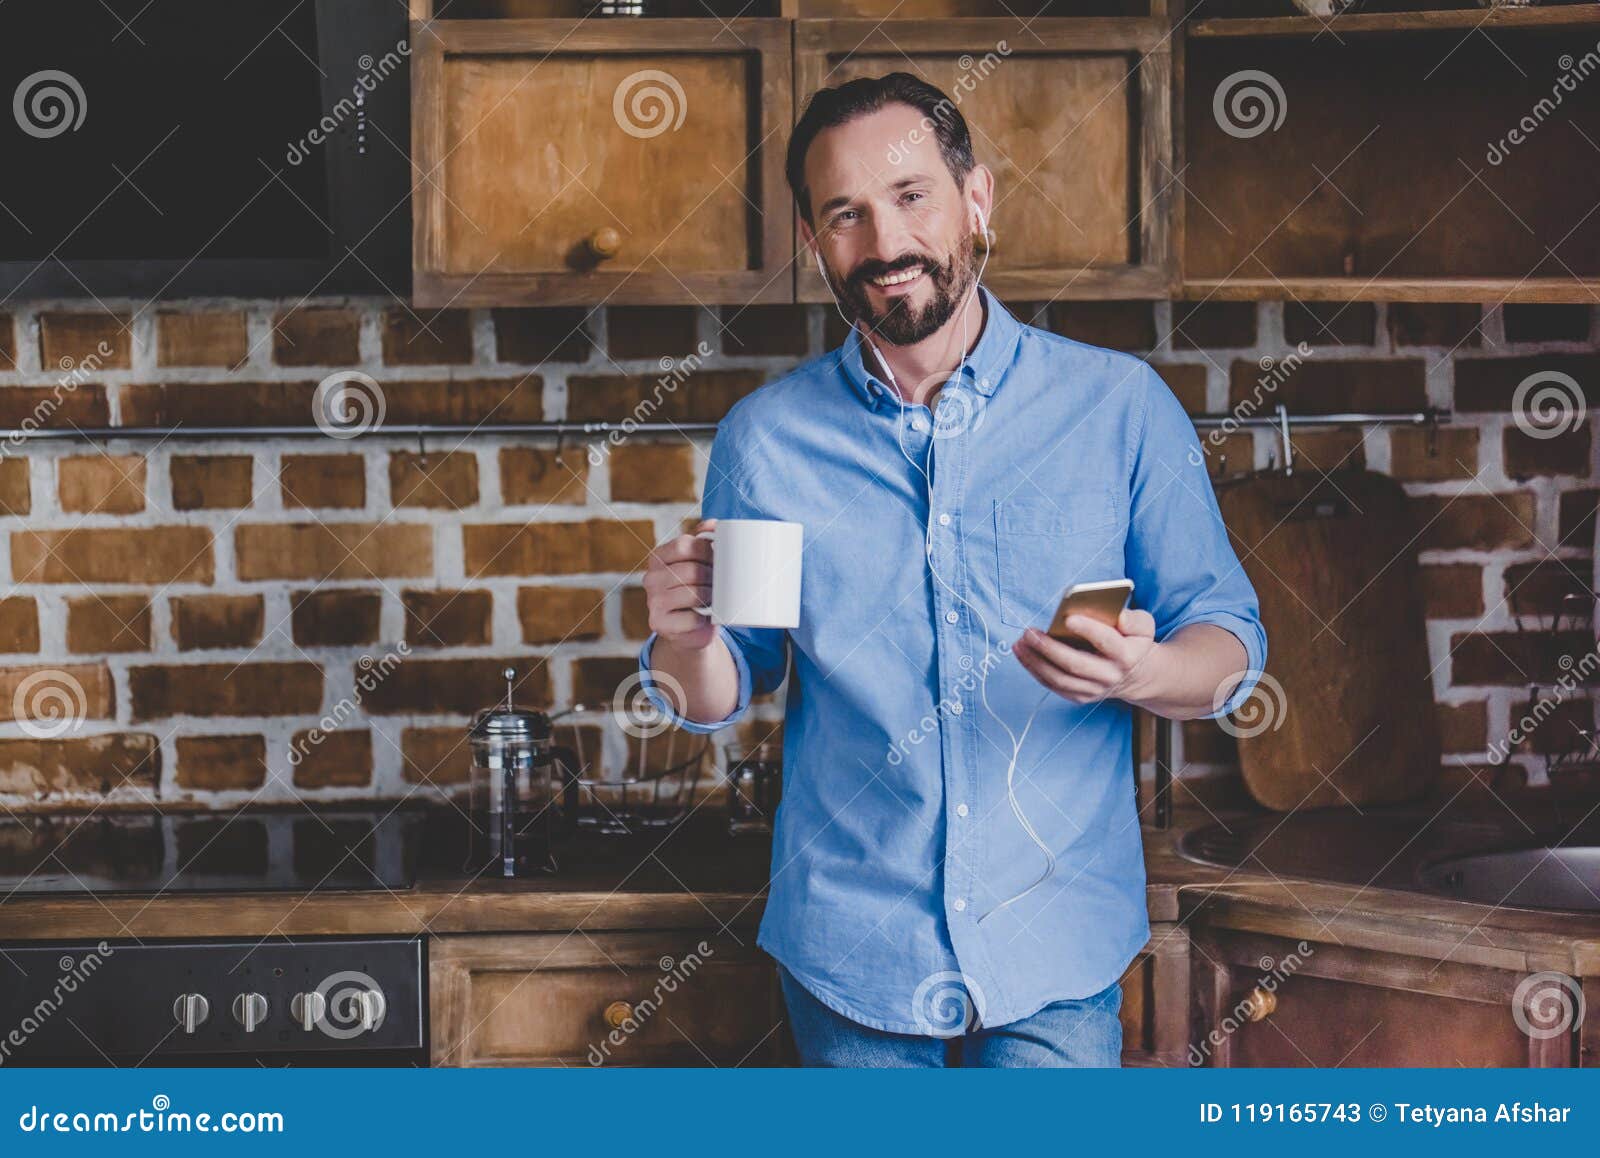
[{"x": 277, "y": 850}]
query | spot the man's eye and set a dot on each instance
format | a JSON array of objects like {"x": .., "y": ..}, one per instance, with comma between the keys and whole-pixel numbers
[{"x": 915, "y": 196}]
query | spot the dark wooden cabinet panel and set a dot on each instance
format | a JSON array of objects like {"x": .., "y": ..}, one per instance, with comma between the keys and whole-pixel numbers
[
  {"x": 1268, "y": 1001},
  {"x": 579, "y": 162},
  {"x": 662, "y": 998},
  {"x": 1384, "y": 166}
]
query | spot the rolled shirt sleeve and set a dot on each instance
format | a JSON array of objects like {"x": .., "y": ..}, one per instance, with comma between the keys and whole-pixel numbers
[
  {"x": 1182, "y": 565},
  {"x": 761, "y": 655}
]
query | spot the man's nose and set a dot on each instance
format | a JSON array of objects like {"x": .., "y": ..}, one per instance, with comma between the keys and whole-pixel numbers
[{"x": 889, "y": 238}]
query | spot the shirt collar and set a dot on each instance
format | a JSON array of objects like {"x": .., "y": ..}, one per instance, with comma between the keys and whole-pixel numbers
[{"x": 984, "y": 368}]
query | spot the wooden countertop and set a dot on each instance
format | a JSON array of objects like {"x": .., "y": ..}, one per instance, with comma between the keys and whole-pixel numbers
[{"x": 689, "y": 879}]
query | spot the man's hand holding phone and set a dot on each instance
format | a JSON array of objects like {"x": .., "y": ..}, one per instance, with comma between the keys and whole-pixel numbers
[{"x": 1092, "y": 659}]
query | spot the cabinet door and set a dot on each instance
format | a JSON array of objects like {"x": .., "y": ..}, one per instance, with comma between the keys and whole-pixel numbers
[
  {"x": 580, "y": 162},
  {"x": 681, "y": 998},
  {"x": 1267, "y": 1001},
  {"x": 1073, "y": 115}
]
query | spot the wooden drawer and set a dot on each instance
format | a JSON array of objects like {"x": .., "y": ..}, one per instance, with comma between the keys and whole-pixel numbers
[
  {"x": 579, "y": 162},
  {"x": 673, "y": 998},
  {"x": 1328, "y": 1005},
  {"x": 1074, "y": 117}
]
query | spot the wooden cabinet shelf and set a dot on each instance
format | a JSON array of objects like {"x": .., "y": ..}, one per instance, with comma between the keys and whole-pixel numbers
[
  {"x": 587, "y": 161},
  {"x": 1386, "y": 167},
  {"x": 1399, "y": 165},
  {"x": 1379, "y": 23}
]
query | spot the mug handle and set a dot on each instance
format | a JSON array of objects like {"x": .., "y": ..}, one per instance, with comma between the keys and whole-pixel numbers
[{"x": 711, "y": 537}]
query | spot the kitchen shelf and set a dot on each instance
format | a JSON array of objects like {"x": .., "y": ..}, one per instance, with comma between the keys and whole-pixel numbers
[
  {"x": 1369, "y": 23},
  {"x": 1393, "y": 289},
  {"x": 1383, "y": 168}
]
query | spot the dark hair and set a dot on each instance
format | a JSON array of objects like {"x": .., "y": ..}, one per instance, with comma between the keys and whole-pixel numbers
[{"x": 830, "y": 107}]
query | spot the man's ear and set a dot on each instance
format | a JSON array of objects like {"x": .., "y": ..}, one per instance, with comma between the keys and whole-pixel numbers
[
  {"x": 808, "y": 236},
  {"x": 980, "y": 191}
]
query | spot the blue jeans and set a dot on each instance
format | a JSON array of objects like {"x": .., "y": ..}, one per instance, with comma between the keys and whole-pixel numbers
[{"x": 1083, "y": 1032}]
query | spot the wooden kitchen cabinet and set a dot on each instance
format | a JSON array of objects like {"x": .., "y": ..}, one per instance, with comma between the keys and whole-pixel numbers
[
  {"x": 1155, "y": 1000},
  {"x": 1073, "y": 115},
  {"x": 589, "y": 161},
  {"x": 1264, "y": 1000},
  {"x": 675, "y": 998}
]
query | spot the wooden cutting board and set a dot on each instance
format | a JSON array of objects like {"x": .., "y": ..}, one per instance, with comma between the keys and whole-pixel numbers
[{"x": 1347, "y": 716}]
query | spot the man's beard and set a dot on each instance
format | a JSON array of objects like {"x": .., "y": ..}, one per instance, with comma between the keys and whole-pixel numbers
[{"x": 903, "y": 324}]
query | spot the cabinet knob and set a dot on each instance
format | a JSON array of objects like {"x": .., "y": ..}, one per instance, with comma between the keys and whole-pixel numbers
[
  {"x": 1259, "y": 1004},
  {"x": 605, "y": 242},
  {"x": 618, "y": 1013}
]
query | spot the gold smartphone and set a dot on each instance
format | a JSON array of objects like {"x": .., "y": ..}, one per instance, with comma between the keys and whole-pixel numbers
[{"x": 1103, "y": 601}]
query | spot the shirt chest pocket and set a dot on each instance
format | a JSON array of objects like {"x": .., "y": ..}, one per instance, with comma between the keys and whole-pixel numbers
[{"x": 1045, "y": 545}]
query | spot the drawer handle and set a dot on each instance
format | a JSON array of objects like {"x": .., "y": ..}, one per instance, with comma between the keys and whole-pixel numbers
[
  {"x": 605, "y": 242},
  {"x": 1259, "y": 1004},
  {"x": 618, "y": 1013}
]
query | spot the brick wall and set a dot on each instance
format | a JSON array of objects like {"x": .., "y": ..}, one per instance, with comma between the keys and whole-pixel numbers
[{"x": 257, "y": 620}]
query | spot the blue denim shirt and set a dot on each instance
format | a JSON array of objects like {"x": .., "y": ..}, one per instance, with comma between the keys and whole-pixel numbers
[{"x": 1051, "y": 463}]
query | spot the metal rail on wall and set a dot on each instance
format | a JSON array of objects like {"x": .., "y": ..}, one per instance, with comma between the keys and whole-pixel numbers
[{"x": 1280, "y": 419}]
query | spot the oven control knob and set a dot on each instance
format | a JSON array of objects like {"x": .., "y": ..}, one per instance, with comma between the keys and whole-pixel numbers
[
  {"x": 370, "y": 1008},
  {"x": 308, "y": 1009},
  {"x": 249, "y": 1010},
  {"x": 190, "y": 1011}
]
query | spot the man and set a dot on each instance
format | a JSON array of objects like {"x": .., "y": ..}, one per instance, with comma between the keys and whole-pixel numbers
[{"x": 957, "y": 871}]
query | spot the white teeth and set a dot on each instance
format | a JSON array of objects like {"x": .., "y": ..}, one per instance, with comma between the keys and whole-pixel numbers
[{"x": 897, "y": 278}]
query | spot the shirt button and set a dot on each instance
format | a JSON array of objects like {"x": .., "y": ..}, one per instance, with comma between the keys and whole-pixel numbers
[
  {"x": 961, "y": 810},
  {"x": 955, "y": 708},
  {"x": 920, "y": 425},
  {"x": 951, "y": 617},
  {"x": 944, "y": 520},
  {"x": 960, "y": 905}
]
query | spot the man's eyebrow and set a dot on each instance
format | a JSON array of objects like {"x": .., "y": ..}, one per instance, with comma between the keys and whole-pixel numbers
[{"x": 833, "y": 203}]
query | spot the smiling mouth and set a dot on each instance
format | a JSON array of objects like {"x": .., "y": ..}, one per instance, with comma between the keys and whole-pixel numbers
[{"x": 898, "y": 278}]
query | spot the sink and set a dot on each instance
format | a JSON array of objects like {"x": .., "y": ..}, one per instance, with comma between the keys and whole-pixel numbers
[
  {"x": 1525, "y": 878},
  {"x": 1484, "y": 859}
]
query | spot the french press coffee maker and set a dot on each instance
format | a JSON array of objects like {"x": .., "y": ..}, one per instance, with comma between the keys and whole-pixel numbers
[{"x": 524, "y": 790}]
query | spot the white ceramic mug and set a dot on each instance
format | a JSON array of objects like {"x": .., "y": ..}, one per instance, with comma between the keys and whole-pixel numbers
[{"x": 755, "y": 573}]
